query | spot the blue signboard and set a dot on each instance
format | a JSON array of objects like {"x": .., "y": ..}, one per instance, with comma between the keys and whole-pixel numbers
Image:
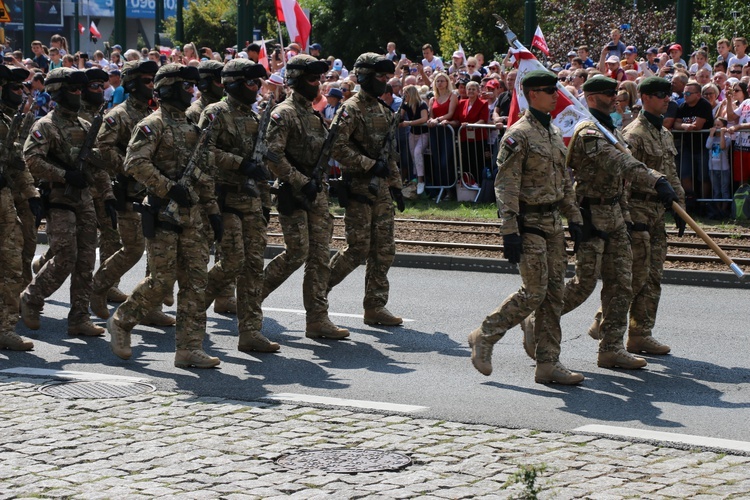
[
  {"x": 46, "y": 12},
  {"x": 141, "y": 9}
]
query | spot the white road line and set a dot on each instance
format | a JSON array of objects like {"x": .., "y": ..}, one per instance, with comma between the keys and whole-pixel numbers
[
  {"x": 302, "y": 311},
  {"x": 670, "y": 437},
  {"x": 352, "y": 403},
  {"x": 71, "y": 375}
]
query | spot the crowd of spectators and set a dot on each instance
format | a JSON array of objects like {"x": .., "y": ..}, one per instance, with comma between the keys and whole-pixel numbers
[{"x": 709, "y": 110}]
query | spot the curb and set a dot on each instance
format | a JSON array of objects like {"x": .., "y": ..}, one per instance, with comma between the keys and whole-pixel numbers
[{"x": 710, "y": 279}]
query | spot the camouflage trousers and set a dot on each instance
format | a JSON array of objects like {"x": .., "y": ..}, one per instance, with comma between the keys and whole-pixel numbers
[
  {"x": 109, "y": 237},
  {"x": 173, "y": 257},
  {"x": 307, "y": 237},
  {"x": 127, "y": 255},
  {"x": 241, "y": 262},
  {"x": 72, "y": 246},
  {"x": 614, "y": 261},
  {"x": 649, "y": 254},
  {"x": 542, "y": 268},
  {"x": 369, "y": 237},
  {"x": 10, "y": 262},
  {"x": 28, "y": 236}
]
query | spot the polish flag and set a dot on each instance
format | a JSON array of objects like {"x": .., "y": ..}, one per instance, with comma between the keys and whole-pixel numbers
[
  {"x": 81, "y": 29},
  {"x": 290, "y": 13},
  {"x": 94, "y": 32},
  {"x": 463, "y": 54},
  {"x": 539, "y": 42},
  {"x": 263, "y": 57},
  {"x": 568, "y": 112}
]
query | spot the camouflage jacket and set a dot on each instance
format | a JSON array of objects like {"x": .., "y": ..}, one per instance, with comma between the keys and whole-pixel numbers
[
  {"x": 531, "y": 170},
  {"x": 19, "y": 178}
]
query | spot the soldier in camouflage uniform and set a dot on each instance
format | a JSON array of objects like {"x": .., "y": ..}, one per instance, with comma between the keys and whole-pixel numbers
[
  {"x": 295, "y": 138},
  {"x": 112, "y": 142},
  {"x": 533, "y": 189},
  {"x": 244, "y": 200},
  {"x": 212, "y": 91},
  {"x": 600, "y": 171},
  {"x": 51, "y": 153},
  {"x": 373, "y": 183},
  {"x": 13, "y": 177},
  {"x": 652, "y": 144},
  {"x": 177, "y": 251},
  {"x": 11, "y": 99}
]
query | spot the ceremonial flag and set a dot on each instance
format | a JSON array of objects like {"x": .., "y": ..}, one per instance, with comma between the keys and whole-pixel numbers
[
  {"x": 566, "y": 114},
  {"x": 81, "y": 29},
  {"x": 463, "y": 54},
  {"x": 263, "y": 57},
  {"x": 94, "y": 32},
  {"x": 290, "y": 13},
  {"x": 539, "y": 42}
]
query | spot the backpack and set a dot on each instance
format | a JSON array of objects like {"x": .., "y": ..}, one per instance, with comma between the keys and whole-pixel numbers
[{"x": 741, "y": 203}]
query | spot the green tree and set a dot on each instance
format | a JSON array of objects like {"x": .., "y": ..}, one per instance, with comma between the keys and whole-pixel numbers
[
  {"x": 716, "y": 19},
  {"x": 203, "y": 26}
]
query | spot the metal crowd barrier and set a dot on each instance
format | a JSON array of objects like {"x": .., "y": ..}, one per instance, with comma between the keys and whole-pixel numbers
[
  {"x": 440, "y": 160},
  {"x": 475, "y": 159}
]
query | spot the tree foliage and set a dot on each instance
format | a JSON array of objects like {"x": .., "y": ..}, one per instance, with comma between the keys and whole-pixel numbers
[
  {"x": 567, "y": 24},
  {"x": 203, "y": 26},
  {"x": 716, "y": 19}
]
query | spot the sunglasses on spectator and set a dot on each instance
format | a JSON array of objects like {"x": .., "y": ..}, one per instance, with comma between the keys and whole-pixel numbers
[
  {"x": 471, "y": 65},
  {"x": 608, "y": 93},
  {"x": 736, "y": 71},
  {"x": 95, "y": 86},
  {"x": 546, "y": 90}
]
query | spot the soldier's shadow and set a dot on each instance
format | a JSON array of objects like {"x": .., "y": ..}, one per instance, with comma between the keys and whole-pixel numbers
[{"x": 407, "y": 340}]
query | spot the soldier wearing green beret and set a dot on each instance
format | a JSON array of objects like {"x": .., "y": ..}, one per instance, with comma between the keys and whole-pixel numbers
[
  {"x": 533, "y": 189},
  {"x": 601, "y": 171},
  {"x": 652, "y": 144}
]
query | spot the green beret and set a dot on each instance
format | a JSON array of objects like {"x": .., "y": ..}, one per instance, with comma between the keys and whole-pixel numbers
[
  {"x": 539, "y": 78},
  {"x": 654, "y": 84},
  {"x": 599, "y": 84}
]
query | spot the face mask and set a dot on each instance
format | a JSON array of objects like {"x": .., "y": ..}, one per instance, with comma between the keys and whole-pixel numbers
[
  {"x": 309, "y": 92},
  {"x": 142, "y": 92},
  {"x": 11, "y": 98},
  {"x": 68, "y": 100},
  {"x": 215, "y": 91},
  {"x": 180, "y": 97},
  {"x": 372, "y": 85},
  {"x": 95, "y": 98}
]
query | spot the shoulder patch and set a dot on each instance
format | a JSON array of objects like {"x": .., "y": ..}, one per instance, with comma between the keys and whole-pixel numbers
[
  {"x": 146, "y": 130},
  {"x": 511, "y": 143},
  {"x": 276, "y": 116},
  {"x": 591, "y": 132},
  {"x": 110, "y": 121},
  {"x": 38, "y": 135},
  {"x": 211, "y": 116},
  {"x": 344, "y": 114}
]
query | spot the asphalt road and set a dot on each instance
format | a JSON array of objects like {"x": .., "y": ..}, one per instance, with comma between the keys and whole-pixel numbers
[{"x": 703, "y": 388}]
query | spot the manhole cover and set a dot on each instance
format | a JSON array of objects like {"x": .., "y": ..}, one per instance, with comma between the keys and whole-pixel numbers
[
  {"x": 87, "y": 389},
  {"x": 345, "y": 461}
]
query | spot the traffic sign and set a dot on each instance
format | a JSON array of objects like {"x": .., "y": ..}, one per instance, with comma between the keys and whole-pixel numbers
[{"x": 4, "y": 14}]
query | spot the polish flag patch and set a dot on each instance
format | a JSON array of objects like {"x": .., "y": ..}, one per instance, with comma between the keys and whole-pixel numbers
[
  {"x": 38, "y": 135},
  {"x": 146, "y": 130}
]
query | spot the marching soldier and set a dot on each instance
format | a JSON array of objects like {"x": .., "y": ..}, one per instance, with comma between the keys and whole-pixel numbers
[
  {"x": 13, "y": 174},
  {"x": 112, "y": 142},
  {"x": 366, "y": 129},
  {"x": 156, "y": 157},
  {"x": 295, "y": 138},
  {"x": 51, "y": 153},
  {"x": 245, "y": 212},
  {"x": 533, "y": 189},
  {"x": 652, "y": 144},
  {"x": 600, "y": 172}
]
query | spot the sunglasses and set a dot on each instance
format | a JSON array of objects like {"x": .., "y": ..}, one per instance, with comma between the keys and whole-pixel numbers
[
  {"x": 147, "y": 80},
  {"x": 95, "y": 86},
  {"x": 187, "y": 85},
  {"x": 312, "y": 78},
  {"x": 546, "y": 90},
  {"x": 15, "y": 87},
  {"x": 736, "y": 71},
  {"x": 660, "y": 95},
  {"x": 608, "y": 93},
  {"x": 77, "y": 87},
  {"x": 688, "y": 94},
  {"x": 255, "y": 82}
]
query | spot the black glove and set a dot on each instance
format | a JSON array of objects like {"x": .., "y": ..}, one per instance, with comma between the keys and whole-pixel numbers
[
  {"x": 398, "y": 197},
  {"x": 629, "y": 225},
  {"x": 512, "y": 248},
  {"x": 680, "y": 223},
  {"x": 665, "y": 193},
  {"x": 267, "y": 214},
  {"x": 252, "y": 170},
  {"x": 3, "y": 181},
  {"x": 75, "y": 179},
  {"x": 576, "y": 234},
  {"x": 217, "y": 224},
  {"x": 37, "y": 208},
  {"x": 380, "y": 169},
  {"x": 310, "y": 190},
  {"x": 180, "y": 195},
  {"x": 111, "y": 210}
]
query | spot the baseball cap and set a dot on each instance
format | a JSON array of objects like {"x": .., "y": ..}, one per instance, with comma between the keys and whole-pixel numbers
[
  {"x": 335, "y": 93},
  {"x": 458, "y": 54},
  {"x": 652, "y": 50},
  {"x": 632, "y": 49},
  {"x": 613, "y": 60},
  {"x": 117, "y": 47},
  {"x": 675, "y": 46},
  {"x": 338, "y": 65},
  {"x": 572, "y": 53},
  {"x": 316, "y": 46},
  {"x": 494, "y": 64},
  {"x": 492, "y": 84}
]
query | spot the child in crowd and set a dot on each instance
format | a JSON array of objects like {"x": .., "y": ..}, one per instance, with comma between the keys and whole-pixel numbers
[{"x": 718, "y": 166}]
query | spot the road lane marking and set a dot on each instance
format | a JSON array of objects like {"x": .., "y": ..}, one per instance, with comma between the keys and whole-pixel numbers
[
  {"x": 670, "y": 437},
  {"x": 351, "y": 403},
  {"x": 67, "y": 374},
  {"x": 302, "y": 311}
]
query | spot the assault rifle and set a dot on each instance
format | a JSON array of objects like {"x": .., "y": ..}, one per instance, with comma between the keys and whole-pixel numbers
[
  {"x": 88, "y": 145},
  {"x": 261, "y": 147},
  {"x": 14, "y": 129},
  {"x": 385, "y": 154},
  {"x": 191, "y": 174},
  {"x": 514, "y": 42},
  {"x": 325, "y": 156}
]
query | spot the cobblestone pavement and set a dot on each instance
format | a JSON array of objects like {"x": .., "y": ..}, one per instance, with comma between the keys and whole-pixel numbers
[{"x": 178, "y": 445}]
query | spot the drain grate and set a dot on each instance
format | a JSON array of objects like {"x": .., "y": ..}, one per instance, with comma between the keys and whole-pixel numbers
[
  {"x": 88, "y": 389},
  {"x": 348, "y": 461}
]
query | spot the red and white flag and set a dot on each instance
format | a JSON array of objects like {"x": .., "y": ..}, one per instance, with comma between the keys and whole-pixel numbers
[
  {"x": 81, "y": 29},
  {"x": 263, "y": 57},
  {"x": 566, "y": 114},
  {"x": 539, "y": 42},
  {"x": 94, "y": 32},
  {"x": 290, "y": 13}
]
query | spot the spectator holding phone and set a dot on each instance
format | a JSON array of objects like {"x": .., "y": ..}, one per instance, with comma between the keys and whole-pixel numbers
[{"x": 615, "y": 47}]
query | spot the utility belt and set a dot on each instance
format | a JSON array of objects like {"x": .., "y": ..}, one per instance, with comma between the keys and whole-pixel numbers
[
  {"x": 122, "y": 198},
  {"x": 644, "y": 197},
  {"x": 639, "y": 226},
  {"x": 591, "y": 201},
  {"x": 548, "y": 208},
  {"x": 45, "y": 189},
  {"x": 149, "y": 210},
  {"x": 224, "y": 189},
  {"x": 287, "y": 201}
]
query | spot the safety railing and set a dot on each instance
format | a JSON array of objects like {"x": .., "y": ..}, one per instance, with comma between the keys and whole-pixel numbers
[{"x": 475, "y": 159}]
